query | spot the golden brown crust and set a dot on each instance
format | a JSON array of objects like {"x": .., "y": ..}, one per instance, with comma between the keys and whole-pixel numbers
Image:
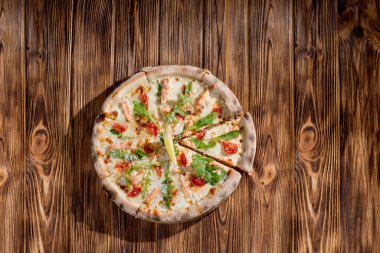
[{"x": 249, "y": 144}]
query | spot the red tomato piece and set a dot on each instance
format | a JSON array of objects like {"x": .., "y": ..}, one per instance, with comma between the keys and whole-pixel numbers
[
  {"x": 145, "y": 99},
  {"x": 219, "y": 110},
  {"x": 148, "y": 150},
  {"x": 152, "y": 128},
  {"x": 119, "y": 127},
  {"x": 183, "y": 89},
  {"x": 123, "y": 166},
  {"x": 158, "y": 170},
  {"x": 230, "y": 147},
  {"x": 179, "y": 116},
  {"x": 183, "y": 159},
  {"x": 198, "y": 181},
  {"x": 135, "y": 191},
  {"x": 201, "y": 134}
]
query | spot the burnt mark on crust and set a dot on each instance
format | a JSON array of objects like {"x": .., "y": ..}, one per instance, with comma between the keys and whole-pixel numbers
[
  {"x": 100, "y": 117},
  {"x": 212, "y": 191},
  {"x": 110, "y": 193},
  {"x": 112, "y": 115},
  {"x": 229, "y": 172}
]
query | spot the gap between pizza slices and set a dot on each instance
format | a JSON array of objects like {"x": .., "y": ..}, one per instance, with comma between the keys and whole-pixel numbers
[{"x": 158, "y": 143}]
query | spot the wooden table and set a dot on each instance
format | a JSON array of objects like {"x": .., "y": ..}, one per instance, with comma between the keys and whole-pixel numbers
[{"x": 308, "y": 71}]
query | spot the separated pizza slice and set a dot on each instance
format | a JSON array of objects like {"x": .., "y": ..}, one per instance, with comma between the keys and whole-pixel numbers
[
  {"x": 231, "y": 143},
  {"x": 209, "y": 181},
  {"x": 191, "y": 98}
]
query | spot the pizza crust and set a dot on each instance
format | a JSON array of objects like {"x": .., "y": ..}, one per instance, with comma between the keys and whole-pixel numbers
[
  {"x": 177, "y": 216},
  {"x": 223, "y": 192},
  {"x": 249, "y": 144}
]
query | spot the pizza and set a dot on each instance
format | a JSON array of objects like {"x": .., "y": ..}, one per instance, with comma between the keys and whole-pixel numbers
[{"x": 171, "y": 143}]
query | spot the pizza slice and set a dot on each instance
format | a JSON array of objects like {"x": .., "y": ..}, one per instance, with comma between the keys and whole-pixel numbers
[{"x": 231, "y": 143}]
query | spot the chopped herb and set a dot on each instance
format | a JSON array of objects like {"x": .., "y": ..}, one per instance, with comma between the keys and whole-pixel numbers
[
  {"x": 167, "y": 189},
  {"x": 121, "y": 136},
  {"x": 142, "y": 165},
  {"x": 123, "y": 154},
  {"x": 178, "y": 107},
  {"x": 141, "y": 110},
  {"x": 228, "y": 136},
  {"x": 159, "y": 90},
  {"x": 201, "y": 144},
  {"x": 161, "y": 136},
  {"x": 146, "y": 184},
  {"x": 205, "y": 121},
  {"x": 202, "y": 168},
  {"x": 141, "y": 153}
]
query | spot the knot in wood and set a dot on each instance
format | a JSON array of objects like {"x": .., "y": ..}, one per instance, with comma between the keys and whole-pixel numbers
[
  {"x": 3, "y": 175},
  {"x": 269, "y": 174},
  {"x": 308, "y": 139},
  {"x": 40, "y": 140}
]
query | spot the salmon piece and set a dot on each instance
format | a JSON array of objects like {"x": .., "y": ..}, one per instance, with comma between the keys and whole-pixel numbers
[
  {"x": 139, "y": 176},
  {"x": 165, "y": 91},
  {"x": 201, "y": 100},
  {"x": 186, "y": 186},
  {"x": 152, "y": 196},
  {"x": 126, "y": 110}
]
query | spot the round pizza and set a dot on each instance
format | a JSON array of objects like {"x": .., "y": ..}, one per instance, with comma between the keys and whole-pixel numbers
[{"x": 171, "y": 143}]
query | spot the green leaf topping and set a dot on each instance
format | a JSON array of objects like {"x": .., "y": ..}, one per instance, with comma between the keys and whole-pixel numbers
[
  {"x": 178, "y": 107},
  {"x": 205, "y": 121},
  {"x": 205, "y": 145},
  {"x": 167, "y": 189},
  {"x": 141, "y": 110},
  {"x": 121, "y": 136},
  {"x": 146, "y": 184},
  {"x": 159, "y": 90},
  {"x": 141, "y": 153},
  {"x": 123, "y": 154},
  {"x": 202, "y": 168}
]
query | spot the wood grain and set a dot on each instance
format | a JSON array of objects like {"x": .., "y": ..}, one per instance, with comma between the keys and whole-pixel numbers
[{"x": 307, "y": 71}]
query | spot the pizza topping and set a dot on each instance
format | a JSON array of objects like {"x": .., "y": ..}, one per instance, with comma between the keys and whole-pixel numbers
[
  {"x": 141, "y": 111},
  {"x": 123, "y": 154},
  {"x": 145, "y": 99},
  {"x": 179, "y": 116},
  {"x": 135, "y": 191},
  {"x": 123, "y": 166},
  {"x": 139, "y": 176},
  {"x": 202, "y": 122},
  {"x": 167, "y": 189},
  {"x": 158, "y": 170},
  {"x": 165, "y": 90},
  {"x": 230, "y": 147},
  {"x": 201, "y": 100},
  {"x": 198, "y": 181},
  {"x": 148, "y": 150},
  {"x": 178, "y": 108},
  {"x": 152, "y": 196},
  {"x": 118, "y": 128},
  {"x": 202, "y": 168},
  {"x": 182, "y": 158},
  {"x": 169, "y": 145},
  {"x": 218, "y": 109},
  {"x": 199, "y": 143},
  {"x": 152, "y": 129},
  {"x": 186, "y": 186},
  {"x": 126, "y": 110},
  {"x": 146, "y": 184},
  {"x": 201, "y": 135}
]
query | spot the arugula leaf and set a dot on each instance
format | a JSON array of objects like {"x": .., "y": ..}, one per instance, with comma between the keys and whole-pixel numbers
[
  {"x": 178, "y": 107},
  {"x": 146, "y": 184},
  {"x": 141, "y": 165},
  {"x": 159, "y": 90},
  {"x": 205, "y": 121},
  {"x": 167, "y": 189},
  {"x": 202, "y": 168},
  {"x": 161, "y": 136},
  {"x": 141, "y": 153},
  {"x": 141, "y": 110},
  {"x": 123, "y": 154},
  {"x": 227, "y": 136},
  {"x": 121, "y": 136},
  {"x": 203, "y": 145}
]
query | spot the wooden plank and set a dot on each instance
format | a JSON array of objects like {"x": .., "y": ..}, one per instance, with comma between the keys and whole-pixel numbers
[
  {"x": 48, "y": 59},
  {"x": 359, "y": 53},
  {"x": 12, "y": 134},
  {"x": 317, "y": 209},
  {"x": 270, "y": 100},
  {"x": 93, "y": 216}
]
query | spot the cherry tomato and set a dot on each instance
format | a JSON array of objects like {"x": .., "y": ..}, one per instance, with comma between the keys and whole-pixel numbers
[
  {"x": 201, "y": 134},
  {"x": 135, "y": 191},
  {"x": 123, "y": 166},
  {"x": 230, "y": 147},
  {"x": 158, "y": 170},
  {"x": 119, "y": 127},
  {"x": 145, "y": 99},
  {"x": 148, "y": 150},
  {"x": 198, "y": 181},
  {"x": 152, "y": 128},
  {"x": 179, "y": 116},
  {"x": 182, "y": 159},
  {"x": 219, "y": 110}
]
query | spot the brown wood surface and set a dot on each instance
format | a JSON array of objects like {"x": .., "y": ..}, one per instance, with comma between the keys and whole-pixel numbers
[{"x": 308, "y": 71}]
